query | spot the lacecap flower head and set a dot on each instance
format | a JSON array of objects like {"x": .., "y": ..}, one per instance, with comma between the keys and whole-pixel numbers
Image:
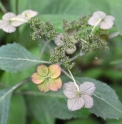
[
  {"x": 9, "y": 22},
  {"x": 79, "y": 98},
  {"x": 47, "y": 78},
  {"x": 102, "y": 20},
  {"x": 59, "y": 41},
  {"x": 28, "y": 14}
]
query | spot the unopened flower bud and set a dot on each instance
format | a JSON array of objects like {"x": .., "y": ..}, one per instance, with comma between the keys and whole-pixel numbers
[
  {"x": 58, "y": 40},
  {"x": 71, "y": 51}
]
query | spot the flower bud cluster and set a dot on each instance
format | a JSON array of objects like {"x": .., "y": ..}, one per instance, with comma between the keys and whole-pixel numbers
[
  {"x": 41, "y": 29},
  {"x": 78, "y": 34},
  {"x": 82, "y": 34},
  {"x": 59, "y": 55},
  {"x": 95, "y": 42}
]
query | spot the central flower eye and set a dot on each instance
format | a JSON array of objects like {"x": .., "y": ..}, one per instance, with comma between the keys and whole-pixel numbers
[
  {"x": 47, "y": 78},
  {"x": 79, "y": 93}
]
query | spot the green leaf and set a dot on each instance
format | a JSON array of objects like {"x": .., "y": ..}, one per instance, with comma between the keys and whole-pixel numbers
[
  {"x": 54, "y": 6},
  {"x": 83, "y": 121},
  {"x": 115, "y": 7},
  {"x": 36, "y": 105},
  {"x": 5, "y": 96},
  {"x": 14, "y": 57},
  {"x": 71, "y": 7},
  {"x": 53, "y": 103},
  {"x": 38, "y": 110},
  {"x": 114, "y": 121},
  {"x": 11, "y": 79},
  {"x": 95, "y": 5},
  {"x": 106, "y": 102},
  {"x": 17, "y": 112},
  {"x": 36, "y": 5}
]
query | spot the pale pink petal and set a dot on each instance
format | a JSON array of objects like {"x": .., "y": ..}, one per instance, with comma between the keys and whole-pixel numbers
[
  {"x": 96, "y": 17},
  {"x": 8, "y": 16},
  {"x": 110, "y": 18},
  {"x": 87, "y": 88},
  {"x": 99, "y": 14},
  {"x": 70, "y": 90},
  {"x": 75, "y": 103},
  {"x": 88, "y": 101},
  {"x": 2, "y": 23},
  {"x": 106, "y": 24},
  {"x": 93, "y": 21},
  {"x": 37, "y": 79},
  {"x": 112, "y": 35},
  {"x": 18, "y": 20},
  {"x": 55, "y": 84},
  {"x": 29, "y": 14},
  {"x": 7, "y": 27}
]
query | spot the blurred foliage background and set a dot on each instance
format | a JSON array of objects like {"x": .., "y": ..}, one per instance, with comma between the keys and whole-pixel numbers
[{"x": 96, "y": 65}]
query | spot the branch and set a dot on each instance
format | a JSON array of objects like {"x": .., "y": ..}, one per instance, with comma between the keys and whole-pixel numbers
[
  {"x": 42, "y": 51},
  {"x": 67, "y": 74},
  {"x": 47, "y": 44},
  {"x": 21, "y": 83},
  {"x": 75, "y": 57},
  {"x": 3, "y": 85}
]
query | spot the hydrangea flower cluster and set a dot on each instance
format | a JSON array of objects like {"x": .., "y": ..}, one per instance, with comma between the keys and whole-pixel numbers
[
  {"x": 59, "y": 40},
  {"x": 10, "y": 21},
  {"x": 47, "y": 78},
  {"x": 102, "y": 20},
  {"x": 79, "y": 98}
]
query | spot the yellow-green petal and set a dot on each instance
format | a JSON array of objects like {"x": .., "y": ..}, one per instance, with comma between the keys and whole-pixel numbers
[
  {"x": 42, "y": 70},
  {"x": 55, "y": 84},
  {"x": 54, "y": 71},
  {"x": 37, "y": 79},
  {"x": 44, "y": 86}
]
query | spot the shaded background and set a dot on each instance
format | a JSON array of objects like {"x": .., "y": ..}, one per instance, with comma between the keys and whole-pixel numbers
[{"x": 21, "y": 112}]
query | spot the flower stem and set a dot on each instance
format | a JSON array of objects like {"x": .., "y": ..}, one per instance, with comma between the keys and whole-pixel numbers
[
  {"x": 84, "y": 41},
  {"x": 74, "y": 80},
  {"x": 17, "y": 6},
  {"x": 95, "y": 25},
  {"x": 2, "y": 7}
]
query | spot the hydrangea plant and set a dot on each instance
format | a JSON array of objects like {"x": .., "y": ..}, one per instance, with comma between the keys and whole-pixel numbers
[{"x": 78, "y": 38}]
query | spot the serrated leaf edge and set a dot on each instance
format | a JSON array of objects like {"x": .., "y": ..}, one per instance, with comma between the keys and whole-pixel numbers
[{"x": 107, "y": 103}]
